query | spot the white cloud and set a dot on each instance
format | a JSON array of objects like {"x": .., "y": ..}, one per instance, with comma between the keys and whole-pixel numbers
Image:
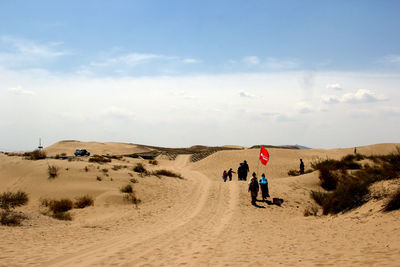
[
  {"x": 118, "y": 112},
  {"x": 19, "y": 91},
  {"x": 392, "y": 59},
  {"x": 190, "y": 60},
  {"x": 334, "y": 86},
  {"x": 330, "y": 99},
  {"x": 246, "y": 94},
  {"x": 281, "y": 64},
  {"x": 131, "y": 59},
  {"x": 362, "y": 96},
  {"x": 304, "y": 108},
  {"x": 19, "y": 52},
  {"x": 251, "y": 60}
]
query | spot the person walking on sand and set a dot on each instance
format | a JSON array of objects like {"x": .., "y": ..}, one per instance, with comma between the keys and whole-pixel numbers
[
  {"x": 224, "y": 175},
  {"x": 240, "y": 172},
  {"x": 253, "y": 188},
  {"x": 246, "y": 169},
  {"x": 230, "y": 174},
  {"x": 301, "y": 166},
  {"x": 264, "y": 187}
]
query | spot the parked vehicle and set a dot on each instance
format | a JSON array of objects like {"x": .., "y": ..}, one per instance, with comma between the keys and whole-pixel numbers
[{"x": 82, "y": 152}]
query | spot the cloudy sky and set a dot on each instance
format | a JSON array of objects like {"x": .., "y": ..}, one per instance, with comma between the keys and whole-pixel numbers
[{"x": 179, "y": 73}]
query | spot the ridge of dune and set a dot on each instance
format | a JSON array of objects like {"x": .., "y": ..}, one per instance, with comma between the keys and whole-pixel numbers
[{"x": 197, "y": 221}]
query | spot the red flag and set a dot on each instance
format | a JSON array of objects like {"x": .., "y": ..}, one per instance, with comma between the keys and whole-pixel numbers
[{"x": 264, "y": 155}]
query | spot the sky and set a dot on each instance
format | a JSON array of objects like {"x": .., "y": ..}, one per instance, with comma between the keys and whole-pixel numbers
[{"x": 322, "y": 74}]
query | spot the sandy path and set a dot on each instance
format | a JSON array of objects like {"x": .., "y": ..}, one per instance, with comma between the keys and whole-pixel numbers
[{"x": 186, "y": 237}]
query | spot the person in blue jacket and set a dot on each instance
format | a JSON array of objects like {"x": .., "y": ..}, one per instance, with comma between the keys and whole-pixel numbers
[{"x": 264, "y": 187}]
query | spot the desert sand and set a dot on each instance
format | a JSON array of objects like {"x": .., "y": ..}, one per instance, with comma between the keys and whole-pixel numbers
[{"x": 195, "y": 221}]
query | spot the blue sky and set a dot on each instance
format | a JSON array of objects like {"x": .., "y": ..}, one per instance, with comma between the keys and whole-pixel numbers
[{"x": 293, "y": 62}]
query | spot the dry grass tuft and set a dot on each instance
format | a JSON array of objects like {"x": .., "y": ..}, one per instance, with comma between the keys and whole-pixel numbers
[
  {"x": 153, "y": 162},
  {"x": 9, "y": 200},
  {"x": 83, "y": 201},
  {"x": 311, "y": 211},
  {"x": 139, "y": 167},
  {"x": 99, "y": 159},
  {"x": 35, "y": 155},
  {"x": 394, "y": 202},
  {"x": 167, "y": 173},
  {"x": 52, "y": 170},
  {"x": 127, "y": 189},
  {"x": 11, "y": 218},
  {"x": 132, "y": 198}
]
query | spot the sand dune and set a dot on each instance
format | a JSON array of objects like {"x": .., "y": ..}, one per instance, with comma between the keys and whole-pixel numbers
[{"x": 197, "y": 221}]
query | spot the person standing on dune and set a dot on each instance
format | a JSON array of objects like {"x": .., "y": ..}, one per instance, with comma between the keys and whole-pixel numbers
[
  {"x": 301, "y": 166},
  {"x": 264, "y": 187},
  {"x": 240, "y": 172},
  {"x": 246, "y": 169},
  {"x": 224, "y": 175},
  {"x": 253, "y": 188},
  {"x": 230, "y": 174}
]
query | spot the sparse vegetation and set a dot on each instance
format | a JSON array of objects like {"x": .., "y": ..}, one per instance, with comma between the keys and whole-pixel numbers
[
  {"x": 86, "y": 168},
  {"x": 132, "y": 198},
  {"x": 139, "y": 167},
  {"x": 133, "y": 180},
  {"x": 394, "y": 202},
  {"x": 104, "y": 170},
  {"x": 35, "y": 155},
  {"x": 167, "y": 173},
  {"x": 11, "y": 218},
  {"x": 84, "y": 201},
  {"x": 99, "y": 159},
  {"x": 64, "y": 216},
  {"x": 153, "y": 162},
  {"x": 127, "y": 189},
  {"x": 351, "y": 189},
  {"x": 8, "y": 201},
  {"x": 98, "y": 178},
  {"x": 52, "y": 170},
  {"x": 57, "y": 206},
  {"x": 59, "y": 209},
  {"x": 293, "y": 173},
  {"x": 311, "y": 211}
]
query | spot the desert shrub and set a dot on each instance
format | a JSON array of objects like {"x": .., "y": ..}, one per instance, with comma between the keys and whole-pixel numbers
[
  {"x": 104, "y": 170},
  {"x": 99, "y": 159},
  {"x": 63, "y": 154},
  {"x": 65, "y": 216},
  {"x": 293, "y": 173},
  {"x": 328, "y": 178},
  {"x": 116, "y": 167},
  {"x": 98, "y": 178},
  {"x": 153, "y": 162},
  {"x": 57, "y": 206},
  {"x": 9, "y": 200},
  {"x": 139, "y": 167},
  {"x": 133, "y": 180},
  {"x": 132, "y": 198},
  {"x": 11, "y": 218},
  {"x": 57, "y": 156},
  {"x": 127, "y": 189},
  {"x": 311, "y": 211},
  {"x": 52, "y": 170},
  {"x": 394, "y": 202},
  {"x": 86, "y": 168},
  {"x": 35, "y": 155},
  {"x": 84, "y": 201},
  {"x": 319, "y": 197},
  {"x": 167, "y": 173}
]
